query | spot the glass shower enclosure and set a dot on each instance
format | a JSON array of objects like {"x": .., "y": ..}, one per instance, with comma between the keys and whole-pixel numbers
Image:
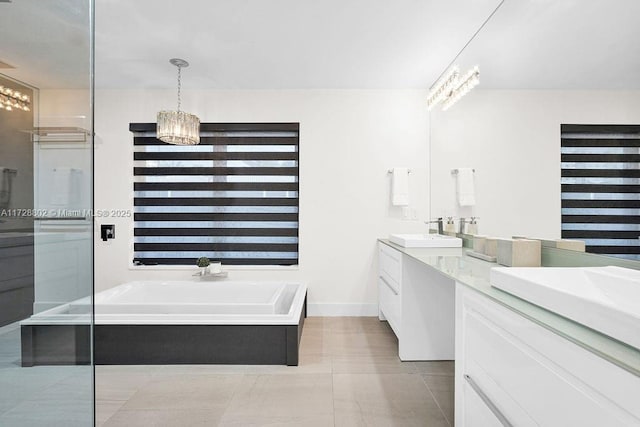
[{"x": 46, "y": 222}]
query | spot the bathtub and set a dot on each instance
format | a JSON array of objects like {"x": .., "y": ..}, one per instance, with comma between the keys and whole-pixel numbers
[{"x": 173, "y": 322}]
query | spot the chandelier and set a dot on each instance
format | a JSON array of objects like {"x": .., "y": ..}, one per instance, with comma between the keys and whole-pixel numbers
[{"x": 178, "y": 127}]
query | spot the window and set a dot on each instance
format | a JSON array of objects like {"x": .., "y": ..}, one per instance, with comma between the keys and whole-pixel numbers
[
  {"x": 232, "y": 198},
  {"x": 601, "y": 187}
]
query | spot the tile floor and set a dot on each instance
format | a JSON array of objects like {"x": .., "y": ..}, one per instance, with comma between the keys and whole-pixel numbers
[
  {"x": 51, "y": 396},
  {"x": 349, "y": 375}
]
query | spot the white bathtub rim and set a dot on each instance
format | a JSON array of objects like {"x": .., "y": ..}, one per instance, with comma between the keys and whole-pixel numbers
[{"x": 57, "y": 315}]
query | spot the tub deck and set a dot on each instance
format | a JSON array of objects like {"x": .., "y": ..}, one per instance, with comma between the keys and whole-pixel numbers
[{"x": 143, "y": 339}]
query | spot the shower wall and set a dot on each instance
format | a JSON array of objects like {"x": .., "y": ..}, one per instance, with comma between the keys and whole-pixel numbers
[{"x": 16, "y": 204}]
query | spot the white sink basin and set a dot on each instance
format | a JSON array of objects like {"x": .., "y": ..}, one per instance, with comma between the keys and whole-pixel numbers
[
  {"x": 425, "y": 241},
  {"x": 606, "y": 299}
]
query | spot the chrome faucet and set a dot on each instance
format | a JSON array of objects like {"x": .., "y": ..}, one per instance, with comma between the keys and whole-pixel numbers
[
  {"x": 462, "y": 222},
  {"x": 440, "y": 224}
]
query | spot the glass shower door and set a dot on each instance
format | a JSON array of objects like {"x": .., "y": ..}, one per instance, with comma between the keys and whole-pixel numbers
[{"x": 46, "y": 223}]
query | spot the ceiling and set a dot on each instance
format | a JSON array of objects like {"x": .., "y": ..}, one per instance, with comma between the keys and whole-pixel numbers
[
  {"x": 238, "y": 44},
  {"x": 550, "y": 44},
  {"x": 46, "y": 41},
  {"x": 327, "y": 44},
  {"x": 281, "y": 44}
]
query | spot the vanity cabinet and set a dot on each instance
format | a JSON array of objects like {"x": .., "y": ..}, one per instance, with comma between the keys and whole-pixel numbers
[
  {"x": 16, "y": 278},
  {"x": 513, "y": 371},
  {"x": 418, "y": 303},
  {"x": 390, "y": 287}
]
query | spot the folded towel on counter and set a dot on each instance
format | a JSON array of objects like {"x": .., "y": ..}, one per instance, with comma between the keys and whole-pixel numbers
[
  {"x": 400, "y": 187},
  {"x": 465, "y": 187}
]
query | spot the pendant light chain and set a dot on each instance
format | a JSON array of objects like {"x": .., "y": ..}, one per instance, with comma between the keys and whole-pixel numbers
[
  {"x": 178, "y": 127},
  {"x": 179, "y": 86}
]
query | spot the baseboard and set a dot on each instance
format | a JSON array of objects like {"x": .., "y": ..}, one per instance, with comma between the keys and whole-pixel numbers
[{"x": 347, "y": 310}]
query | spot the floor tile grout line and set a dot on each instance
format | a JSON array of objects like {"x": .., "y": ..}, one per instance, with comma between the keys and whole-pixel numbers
[
  {"x": 233, "y": 395},
  {"x": 111, "y": 416},
  {"x": 435, "y": 400}
]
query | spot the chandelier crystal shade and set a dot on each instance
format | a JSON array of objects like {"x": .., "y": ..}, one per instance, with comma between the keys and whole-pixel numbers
[{"x": 178, "y": 127}]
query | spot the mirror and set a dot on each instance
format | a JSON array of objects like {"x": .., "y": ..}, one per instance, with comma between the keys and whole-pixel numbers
[{"x": 552, "y": 130}]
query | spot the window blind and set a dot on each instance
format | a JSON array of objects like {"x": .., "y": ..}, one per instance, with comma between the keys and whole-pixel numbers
[
  {"x": 233, "y": 198},
  {"x": 601, "y": 187}
]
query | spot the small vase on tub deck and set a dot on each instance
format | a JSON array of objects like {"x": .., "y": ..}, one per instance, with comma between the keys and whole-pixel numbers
[{"x": 203, "y": 263}]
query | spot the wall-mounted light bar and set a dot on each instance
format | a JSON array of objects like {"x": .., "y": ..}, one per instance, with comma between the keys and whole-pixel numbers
[
  {"x": 450, "y": 88},
  {"x": 468, "y": 82},
  {"x": 12, "y": 99},
  {"x": 443, "y": 87}
]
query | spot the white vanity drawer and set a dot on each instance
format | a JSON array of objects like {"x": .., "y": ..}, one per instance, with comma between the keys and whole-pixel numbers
[
  {"x": 477, "y": 412},
  {"x": 390, "y": 304},
  {"x": 535, "y": 377},
  {"x": 391, "y": 266}
]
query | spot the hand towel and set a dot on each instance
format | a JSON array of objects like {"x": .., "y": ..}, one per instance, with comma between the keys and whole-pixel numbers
[
  {"x": 465, "y": 187},
  {"x": 5, "y": 187},
  {"x": 400, "y": 187},
  {"x": 4, "y": 179},
  {"x": 61, "y": 186}
]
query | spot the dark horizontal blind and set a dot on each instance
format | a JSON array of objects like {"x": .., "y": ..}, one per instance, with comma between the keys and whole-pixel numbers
[
  {"x": 601, "y": 187},
  {"x": 232, "y": 198}
]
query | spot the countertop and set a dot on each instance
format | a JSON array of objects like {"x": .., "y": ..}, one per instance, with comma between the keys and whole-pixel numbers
[{"x": 474, "y": 273}]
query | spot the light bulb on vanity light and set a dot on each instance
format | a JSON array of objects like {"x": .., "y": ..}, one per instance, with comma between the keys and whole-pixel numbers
[
  {"x": 443, "y": 87},
  {"x": 13, "y": 99},
  {"x": 470, "y": 80}
]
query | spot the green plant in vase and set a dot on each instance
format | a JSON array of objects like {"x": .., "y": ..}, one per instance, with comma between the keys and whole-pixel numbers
[{"x": 203, "y": 262}]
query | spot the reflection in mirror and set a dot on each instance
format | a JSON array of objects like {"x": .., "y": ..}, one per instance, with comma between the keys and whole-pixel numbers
[{"x": 552, "y": 131}]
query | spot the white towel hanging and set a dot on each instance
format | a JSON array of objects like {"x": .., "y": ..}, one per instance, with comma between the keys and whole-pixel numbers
[
  {"x": 400, "y": 187},
  {"x": 5, "y": 187},
  {"x": 66, "y": 186},
  {"x": 465, "y": 187}
]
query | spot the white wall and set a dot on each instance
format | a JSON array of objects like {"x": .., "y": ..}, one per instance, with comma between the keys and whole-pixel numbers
[
  {"x": 348, "y": 141},
  {"x": 512, "y": 139}
]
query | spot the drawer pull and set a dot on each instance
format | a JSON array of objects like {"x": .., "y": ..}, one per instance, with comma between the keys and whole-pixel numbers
[
  {"x": 389, "y": 285},
  {"x": 493, "y": 408}
]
